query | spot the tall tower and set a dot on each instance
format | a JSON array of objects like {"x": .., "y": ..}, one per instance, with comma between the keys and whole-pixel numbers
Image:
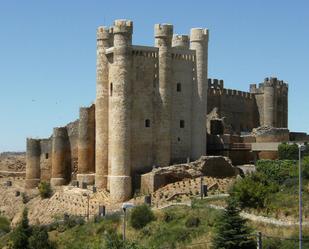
[
  {"x": 59, "y": 156},
  {"x": 86, "y": 146},
  {"x": 199, "y": 42},
  {"x": 163, "y": 40},
  {"x": 120, "y": 112},
  {"x": 269, "y": 102},
  {"x": 33, "y": 163},
  {"x": 101, "y": 108}
]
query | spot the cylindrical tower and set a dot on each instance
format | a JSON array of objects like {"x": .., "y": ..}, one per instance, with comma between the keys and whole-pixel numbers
[
  {"x": 181, "y": 41},
  {"x": 101, "y": 108},
  {"x": 199, "y": 42},
  {"x": 269, "y": 102},
  {"x": 163, "y": 40},
  {"x": 86, "y": 144},
  {"x": 285, "y": 105},
  {"x": 33, "y": 163},
  {"x": 59, "y": 156},
  {"x": 120, "y": 113}
]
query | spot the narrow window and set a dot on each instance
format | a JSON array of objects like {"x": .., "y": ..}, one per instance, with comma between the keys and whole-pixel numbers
[
  {"x": 147, "y": 123},
  {"x": 111, "y": 89},
  {"x": 46, "y": 155},
  {"x": 178, "y": 87},
  {"x": 182, "y": 124},
  {"x": 178, "y": 139}
]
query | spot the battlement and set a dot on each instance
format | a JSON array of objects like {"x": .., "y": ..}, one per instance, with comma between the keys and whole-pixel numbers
[
  {"x": 199, "y": 34},
  {"x": 181, "y": 54},
  {"x": 163, "y": 30},
  {"x": 104, "y": 33},
  {"x": 230, "y": 93},
  {"x": 151, "y": 52},
  {"x": 181, "y": 41},
  {"x": 123, "y": 26},
  {"x": 215, "y": 83},
  {"x": 280, "y": 85}
]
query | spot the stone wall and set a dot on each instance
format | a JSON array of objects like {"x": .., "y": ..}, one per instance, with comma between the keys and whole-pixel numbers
[{"x": 238, "y": 109}]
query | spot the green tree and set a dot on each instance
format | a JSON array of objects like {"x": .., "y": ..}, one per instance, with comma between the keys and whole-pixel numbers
[
  {"x": 22, "y": 232},
  {"x": 39, "y": 239},
  {"x": 141, "y": 216},
  {"x": 232, "y": 232},
  {"x": 288, "y": 151}
]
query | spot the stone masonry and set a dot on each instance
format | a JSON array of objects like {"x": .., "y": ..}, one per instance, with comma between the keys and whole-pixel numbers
[{"x": 150, "y": 111}]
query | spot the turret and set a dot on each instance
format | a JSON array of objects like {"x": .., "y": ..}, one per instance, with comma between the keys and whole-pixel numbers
[
  {"x": 33, "y": 163},
  {"x": 181, "y": 41},
  {"x": 163, "y": 40},
  {"x": 120, "y": 113},
  {"x": 104, "y": 36},
  {"x": 60, "y": 150},
  {"x": 269, "y": 102},
  {"x": 199, "y": 42},
  {"x": 86, "y": 145}
]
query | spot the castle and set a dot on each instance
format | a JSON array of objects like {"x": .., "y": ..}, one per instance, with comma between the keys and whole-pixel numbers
[{"x": 150, "y": 111}]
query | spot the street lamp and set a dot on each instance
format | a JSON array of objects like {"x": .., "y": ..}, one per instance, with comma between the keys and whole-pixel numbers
[
  {"x": 88, "y": 198},
  {"x": 125, "y": 206},
  {"x": 301, "y": 148}
]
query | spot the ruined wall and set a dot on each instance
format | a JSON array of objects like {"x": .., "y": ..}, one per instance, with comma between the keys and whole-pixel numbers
[{"x": 239, "y": 109}]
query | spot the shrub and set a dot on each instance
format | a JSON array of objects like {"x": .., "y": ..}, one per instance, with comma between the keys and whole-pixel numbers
[
  {"x": 45, "y": 190},
  {"x": 253, "y": 190},
  {"x": 288, "y": 151},
  {"x": 39, "y": 239},
  {"x": 278, "y": 170},
  {"x": 192, "y": 222},
  {"x": 168, "y": 216},
  {"x": 24, "y": 197},
  {"x": 19, "y": 239},
  {"x": 4, "y": 225},
  {"x": 141, "y": 216}
]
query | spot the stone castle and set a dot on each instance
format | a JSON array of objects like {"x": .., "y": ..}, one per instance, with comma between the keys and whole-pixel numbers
[{"x": 150, "y": 111}]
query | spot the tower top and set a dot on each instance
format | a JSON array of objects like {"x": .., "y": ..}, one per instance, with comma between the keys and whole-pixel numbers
[
  {"x": 103, "y": 32},
  {"x": 180, "y": 41},
  {"x": 199, "y": 34},
  {"x": 123, "y": 26},
  {"x": 163, "y": 30}
]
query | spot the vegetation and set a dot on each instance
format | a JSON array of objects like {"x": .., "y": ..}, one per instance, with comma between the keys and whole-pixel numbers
[
  {"x": 141, "y": 216},
  {"x": 232, "y": 232},
  {"x": 271, "y": 190},
  {"x": 290, "y": 151},
  {"x": 4, "y": 225},
  {"x": 26, "y": 237},
  {"x": 45, "y": 190}
]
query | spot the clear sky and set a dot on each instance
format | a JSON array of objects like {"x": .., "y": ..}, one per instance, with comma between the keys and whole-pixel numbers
[{"x": 48, "y": 53}]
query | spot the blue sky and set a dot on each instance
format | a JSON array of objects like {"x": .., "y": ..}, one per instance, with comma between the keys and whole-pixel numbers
[{"x": 48, "y": 49}]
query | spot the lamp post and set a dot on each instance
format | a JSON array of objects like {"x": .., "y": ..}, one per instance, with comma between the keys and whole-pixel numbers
[
  {"x": 300, "y": 149},
  {"x": 125, "y": 206},
  {"x": 88, "y": 198}
]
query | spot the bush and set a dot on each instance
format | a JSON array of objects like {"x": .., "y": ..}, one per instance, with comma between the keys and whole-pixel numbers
[
  {"x": 192, "y": 222},
  {"x": 19, "y": 239},
  {"x": 4, "y": 225},
  {"x": 45, "y": 190},
  {"x": 114, "y": 241},
  {"x": 253, "y": 191},
  {"x": 141, "y": 216},
  {"x": 39, "y": 239},
  {"x": 288, "y": 151}
]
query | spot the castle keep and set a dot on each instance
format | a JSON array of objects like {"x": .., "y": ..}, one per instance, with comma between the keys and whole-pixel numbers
[{"x": 150, "y": 111}]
